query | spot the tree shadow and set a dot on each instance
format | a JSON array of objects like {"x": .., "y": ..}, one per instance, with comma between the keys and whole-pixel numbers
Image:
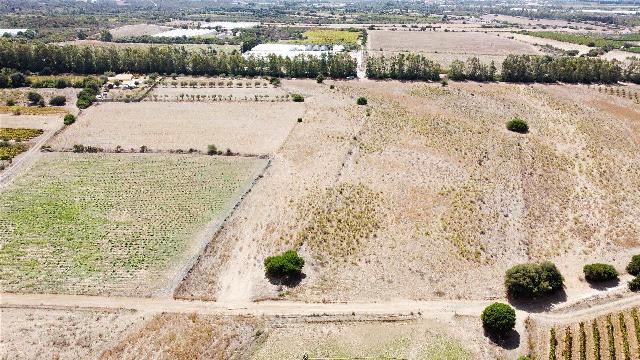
[
  {"x": 288, "y": 281},
  {"x": 509, "y": 342},
  {"x": 541, "y": 304},
  {"x": 604, "y": 285}
]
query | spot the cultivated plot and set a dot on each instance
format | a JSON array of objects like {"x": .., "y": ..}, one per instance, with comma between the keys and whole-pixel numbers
[
  {"x": 253, "y": 128},
  {"x": 118, "y": 223}
]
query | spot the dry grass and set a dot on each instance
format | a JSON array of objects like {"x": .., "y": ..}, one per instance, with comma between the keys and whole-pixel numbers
[
  {"x": 60, "y": 334},
  {"x": 180, "y": 336},
  {"x": 254, "y": 128}
]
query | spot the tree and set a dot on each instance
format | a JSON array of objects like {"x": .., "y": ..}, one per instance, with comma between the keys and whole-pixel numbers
[
  {"x": 18, "y": 80},
  {"x": 320, "y": 79},
  {"x": 498, "y": 319},
  {"x": 362, "y": 101},
  {"x": 33, "y": 97},
  {"x": 528, "y": 281},
  {"x": 285, "y": 265},
  {"x": 105, "y": 35},
  {"x": 634, "y": 284},
  {"x": 69, "y": 119},
  {"x": 599, "y": 272},
  {"x": 633, "y": 267},
  {"x": 518, "y": 125},
  {"x": 81, "y": 35},
  {"x": 58, "y": 101}
]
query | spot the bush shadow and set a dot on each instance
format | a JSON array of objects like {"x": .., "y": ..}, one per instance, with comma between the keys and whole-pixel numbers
[
  {"x": 604, "y": 285},
  {"x": 541, "y": 304},
  {"x": 509, "y": 342},
  {"x": 288, "y": 281}
]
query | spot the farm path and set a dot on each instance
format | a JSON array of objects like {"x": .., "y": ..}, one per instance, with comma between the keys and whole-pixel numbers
[
  {"x": 26, "y": 159},
  {"x": 435, "y": 309}
]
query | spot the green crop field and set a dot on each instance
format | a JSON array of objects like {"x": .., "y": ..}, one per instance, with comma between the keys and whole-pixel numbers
[{"x": 108, "y": 223}]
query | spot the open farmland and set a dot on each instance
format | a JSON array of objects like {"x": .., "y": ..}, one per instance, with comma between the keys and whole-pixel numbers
[
  {"x": 254, "y": 128},
  {"x": 329, "y": 37},
  {"x": 138, "y": 30},
  {"x": 113, "y": 223},
  {"x": 59, "y": 333},
  {"x": 444, "y": 47}
]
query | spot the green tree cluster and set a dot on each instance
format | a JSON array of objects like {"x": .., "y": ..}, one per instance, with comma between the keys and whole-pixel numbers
[
  {"x": 529, "y": 281},
  {"x": 403, "y": 67}
]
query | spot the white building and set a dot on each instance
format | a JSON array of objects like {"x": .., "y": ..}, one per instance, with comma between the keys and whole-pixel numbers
[{"x": 292, "y": 50}]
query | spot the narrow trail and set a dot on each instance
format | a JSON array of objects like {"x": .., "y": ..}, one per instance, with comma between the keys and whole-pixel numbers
[{"x": 435, "y": 309}]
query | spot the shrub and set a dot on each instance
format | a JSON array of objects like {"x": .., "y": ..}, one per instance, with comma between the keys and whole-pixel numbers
[
  {"x": 58, "y": 101},
  {"x": 634, "y": 265},
  {"x": 287, "y": 264},
  {"x": 69, "y": 119},
  {"x": 361, "y": 101},
  {"x": 18, "y": 80},
  {"x": 297, "y": 98},
  {"x": 332, "y": 86},
  {"x": 212, "y": 150},
  {"x": 86, "y": 97},
  {"x": 320, "y": 79},
  {"x": 634, "y": 285},
  {"x": 33, "y": 97},
  {"x": 533, "y": 280},
  {"x": 518, "y": 125},
  {"x": 498, "y": 319},
  {"x": 599, "y": 272},
  {"x": 10, "y": 102}
]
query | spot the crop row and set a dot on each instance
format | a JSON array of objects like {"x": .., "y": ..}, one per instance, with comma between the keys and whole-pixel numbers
[
  {"x": 198, "y": 97},
  {"x": 216, "y": 84},
  {"x": 615, "y": 343}
]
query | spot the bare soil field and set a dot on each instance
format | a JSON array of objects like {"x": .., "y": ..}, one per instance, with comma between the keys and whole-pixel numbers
[
  {"x": 217, "y": 94},
  {"x": 138, "y": 30},
  {"x": 60, "y": 334},
  {"x": 110, "y": 224},
  {"x": 30, "y": 121},
  {"x": 252, "y": 128},
  {"x": 445, "y": 47},
  {"x": 433, "y": 180}
]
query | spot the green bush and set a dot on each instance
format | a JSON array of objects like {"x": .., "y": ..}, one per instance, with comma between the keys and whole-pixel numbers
[
  {"x": 297, "y": 98},
  {"x": 33, "y": 97},
  {"x": 320, "y": 79},
  {"x": 634, "y": 266},
  {"x": 599, "y": 272},
  {"x": 86, "y": 97},
  {"x": 634, "y": 285},
  {"x": 69, "y": 119},
  {"x": 518, "y": 125},
  {"x": 361, "y": 101},
  {"x": 58, "y": 101},
  {"x": 498, "y": 319},
  {"x": 287, "y": 264},
  {"x": 527, "y": 281}
]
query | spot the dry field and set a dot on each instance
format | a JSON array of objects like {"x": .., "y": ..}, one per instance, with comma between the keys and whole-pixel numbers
[
  {"x": 138, "y": 30},
  {"x": 253, "y": 128},
  {"x": 444, "y": 47},
  {"x": 435, "y": 192},
  {"x": 611, "y": 336},
  {"x": 60, "y": 334},
  {"x": 19, "y": 96},
  {"x": 113, "y": 223},
  {"x": 527, "y": 23},
  {"x": 30, "y": 121},
  {"x": 217, "y": 94},
  {"x": 193, "y": 336}
]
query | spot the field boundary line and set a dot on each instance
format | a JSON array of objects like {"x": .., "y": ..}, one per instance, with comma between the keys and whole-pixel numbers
[{"x": 204, "y": 239}]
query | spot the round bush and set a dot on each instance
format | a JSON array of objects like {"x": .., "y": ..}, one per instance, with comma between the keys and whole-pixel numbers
[
  {"x": 297, "y": 98},
  {"x": 529, "y": 281},
  {"x": 498, "y": 319},
  {"x": 34, "y": 97},
  {"x": 634, "y": 285},
  {"x": 287, "y": 264},
  {"x": 634, "y": 266},
  {"x": 69, "y": 119},
  {"x": 361, "y": 101},
  {"x": 58, "y": 101},
  {"x": 599, "y": 272},
  {"x": 518, "y": 125}
]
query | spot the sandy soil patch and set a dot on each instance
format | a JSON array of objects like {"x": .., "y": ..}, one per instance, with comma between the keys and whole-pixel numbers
[
  {"x": 250, "y": 128},
  {"x": 60, "y": 334},
  {"x": 30, "y": 121}
]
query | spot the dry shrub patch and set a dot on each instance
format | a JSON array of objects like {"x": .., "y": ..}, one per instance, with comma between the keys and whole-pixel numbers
[
  {"x": 341, "y": 220},
  {"x": 96, "y": 223}
]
